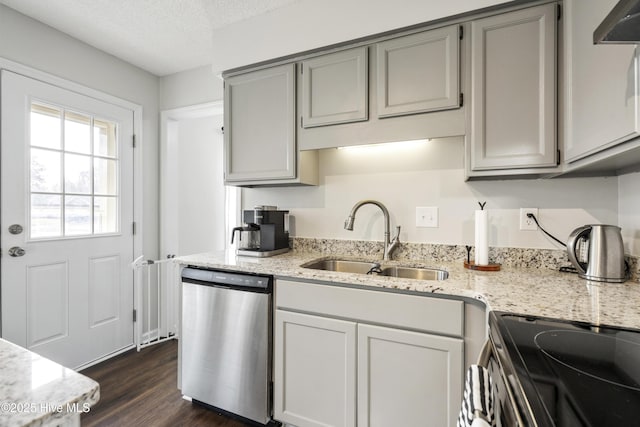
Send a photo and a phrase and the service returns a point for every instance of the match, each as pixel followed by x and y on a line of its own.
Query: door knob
pixel 16 251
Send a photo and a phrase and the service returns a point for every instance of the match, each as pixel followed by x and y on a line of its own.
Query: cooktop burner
pixel 575 350
pixel 573 374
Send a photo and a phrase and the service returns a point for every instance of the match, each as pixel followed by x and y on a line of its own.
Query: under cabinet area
pixel 356 357
pixel 512 127
pixel 335 88
pixel 260 130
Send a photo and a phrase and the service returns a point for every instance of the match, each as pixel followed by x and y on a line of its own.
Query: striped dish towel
pixel 477 403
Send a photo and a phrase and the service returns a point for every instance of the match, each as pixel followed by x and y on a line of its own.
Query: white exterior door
pixel 67 181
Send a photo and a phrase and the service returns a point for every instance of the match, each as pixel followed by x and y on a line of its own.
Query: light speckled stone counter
pixel 34 391
pixel 538 291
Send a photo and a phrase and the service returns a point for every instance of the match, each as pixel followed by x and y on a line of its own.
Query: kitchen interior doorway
pixel 197 209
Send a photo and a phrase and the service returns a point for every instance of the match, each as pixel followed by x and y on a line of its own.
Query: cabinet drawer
pixel 437 315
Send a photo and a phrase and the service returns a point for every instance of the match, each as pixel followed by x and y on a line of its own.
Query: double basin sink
pixel 373 268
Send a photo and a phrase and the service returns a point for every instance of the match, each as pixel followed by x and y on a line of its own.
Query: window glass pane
pixel 77 215
pixel 46 215
pixel 105 177
pixel 45 126
pixel 104 138
pixel 77 174
pixel 74 174
pixel 105 215
pixel 77 133
pixel 45 171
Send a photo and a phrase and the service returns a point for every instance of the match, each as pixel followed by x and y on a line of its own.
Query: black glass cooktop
pixel 573 374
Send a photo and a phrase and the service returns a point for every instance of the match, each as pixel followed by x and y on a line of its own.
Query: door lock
pixel 15 229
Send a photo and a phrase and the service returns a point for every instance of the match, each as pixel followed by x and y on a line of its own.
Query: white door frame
pixel 169 140
pixel 45 77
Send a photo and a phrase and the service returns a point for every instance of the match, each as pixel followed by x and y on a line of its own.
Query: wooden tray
pixel 490 267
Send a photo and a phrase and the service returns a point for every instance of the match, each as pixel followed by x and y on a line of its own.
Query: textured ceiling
pixel 160 36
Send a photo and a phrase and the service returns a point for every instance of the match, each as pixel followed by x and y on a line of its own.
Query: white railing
pixel 156 300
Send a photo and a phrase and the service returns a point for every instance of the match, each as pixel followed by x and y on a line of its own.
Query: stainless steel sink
pixel 366 267
pixel 344 266
pixel 415 273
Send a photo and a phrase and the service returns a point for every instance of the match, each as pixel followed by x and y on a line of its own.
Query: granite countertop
pixel 35 391
pixel 533 291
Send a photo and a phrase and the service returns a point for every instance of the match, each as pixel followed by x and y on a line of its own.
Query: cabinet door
pixel 334 88
pixel 513 90
pixel 602 95
pixel 315 370
pixel 419 73
pixel 408 378
pixel 260 125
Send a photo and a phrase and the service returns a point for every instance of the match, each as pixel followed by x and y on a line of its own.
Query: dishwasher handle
pixel 228 279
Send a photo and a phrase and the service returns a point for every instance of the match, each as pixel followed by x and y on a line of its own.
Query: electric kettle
pixel 604 258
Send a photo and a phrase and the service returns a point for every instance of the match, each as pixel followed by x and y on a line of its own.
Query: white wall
pixel 36 45
pixel 432 175
pixel 201 196
pixel 309 24
pixel 198 86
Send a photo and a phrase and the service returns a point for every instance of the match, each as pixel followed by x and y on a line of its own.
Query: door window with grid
pixel 74 184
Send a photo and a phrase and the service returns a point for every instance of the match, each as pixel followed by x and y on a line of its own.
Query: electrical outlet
pixel 427 217
pixel 527 223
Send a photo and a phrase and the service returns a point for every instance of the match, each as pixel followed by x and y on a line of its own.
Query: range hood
pixel 621 26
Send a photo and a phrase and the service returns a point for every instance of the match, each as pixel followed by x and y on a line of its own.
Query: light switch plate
pixel 427 217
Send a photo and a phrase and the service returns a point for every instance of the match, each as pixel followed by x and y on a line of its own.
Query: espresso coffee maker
pixel 265 232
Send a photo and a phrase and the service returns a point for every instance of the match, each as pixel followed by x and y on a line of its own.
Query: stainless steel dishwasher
pixel 226 342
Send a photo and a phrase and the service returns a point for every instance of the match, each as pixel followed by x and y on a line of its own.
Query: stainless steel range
pixel 549 372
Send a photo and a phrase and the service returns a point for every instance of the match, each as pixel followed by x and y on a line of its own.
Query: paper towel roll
pixel 482 238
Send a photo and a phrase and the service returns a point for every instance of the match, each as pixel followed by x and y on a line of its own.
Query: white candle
pixel 482 238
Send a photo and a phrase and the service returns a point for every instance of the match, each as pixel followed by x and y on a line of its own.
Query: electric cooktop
pixel 571 373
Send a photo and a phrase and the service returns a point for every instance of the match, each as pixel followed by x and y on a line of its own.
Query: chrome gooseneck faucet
pixel 389 245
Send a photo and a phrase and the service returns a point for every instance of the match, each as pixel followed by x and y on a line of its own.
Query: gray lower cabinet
pixel 260 129
pixel 602 96
pixel 419 73
pixel 512 124
pixel 339 362
pixel 407 378
pixel 335 88
pixel 315 370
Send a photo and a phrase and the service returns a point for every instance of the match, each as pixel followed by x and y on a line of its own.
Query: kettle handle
pixel 571 246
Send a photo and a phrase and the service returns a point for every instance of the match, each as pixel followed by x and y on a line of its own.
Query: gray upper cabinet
pixel 512 124
pixel 419 72
pixel 334 88
pixel 260 128
pixel 602 97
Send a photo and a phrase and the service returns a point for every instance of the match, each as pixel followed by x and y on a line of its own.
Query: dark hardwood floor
pixel 140 389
